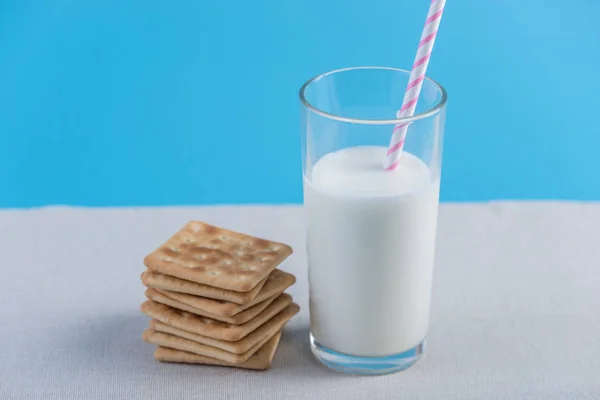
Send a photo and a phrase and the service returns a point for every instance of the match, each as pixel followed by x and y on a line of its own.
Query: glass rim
pixel 395 121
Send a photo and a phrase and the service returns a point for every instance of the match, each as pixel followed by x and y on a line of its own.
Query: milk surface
pixel 371 243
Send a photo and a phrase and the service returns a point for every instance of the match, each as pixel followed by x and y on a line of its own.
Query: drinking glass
pixel 371 232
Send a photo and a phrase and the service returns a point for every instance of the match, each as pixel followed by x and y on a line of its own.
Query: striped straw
pixel 415 82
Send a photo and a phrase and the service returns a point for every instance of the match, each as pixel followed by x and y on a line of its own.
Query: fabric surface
pixel 516 308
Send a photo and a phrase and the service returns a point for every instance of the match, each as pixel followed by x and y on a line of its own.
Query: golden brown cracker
pixel 238 319
pixel 218 257
pixel 209 327
pixel 273 325
pixel 260 360
pixel 157 280
pixel 275 283
pixel 178 343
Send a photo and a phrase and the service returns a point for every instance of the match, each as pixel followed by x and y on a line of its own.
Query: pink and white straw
pixel 415 82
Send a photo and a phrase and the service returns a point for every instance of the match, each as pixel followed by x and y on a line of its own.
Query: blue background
pixel 111 102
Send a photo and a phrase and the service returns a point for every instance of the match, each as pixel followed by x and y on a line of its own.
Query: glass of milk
pixel 371 232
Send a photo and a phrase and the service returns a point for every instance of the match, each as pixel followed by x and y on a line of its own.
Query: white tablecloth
pixel 516 308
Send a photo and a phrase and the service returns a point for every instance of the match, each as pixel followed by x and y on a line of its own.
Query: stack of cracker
pixel 216 298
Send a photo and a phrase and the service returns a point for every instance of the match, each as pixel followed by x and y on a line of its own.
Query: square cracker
pixel 275 283
pixel 178 343
pixel 157 280
pixel 217 257
pixel 260 360
pixel 272 326
pixel 161 297
pixel 210 327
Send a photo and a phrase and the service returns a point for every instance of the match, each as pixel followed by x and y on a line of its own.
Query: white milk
pixel 371 242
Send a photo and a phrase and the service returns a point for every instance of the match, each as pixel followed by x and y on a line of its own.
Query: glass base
pixel 367 365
